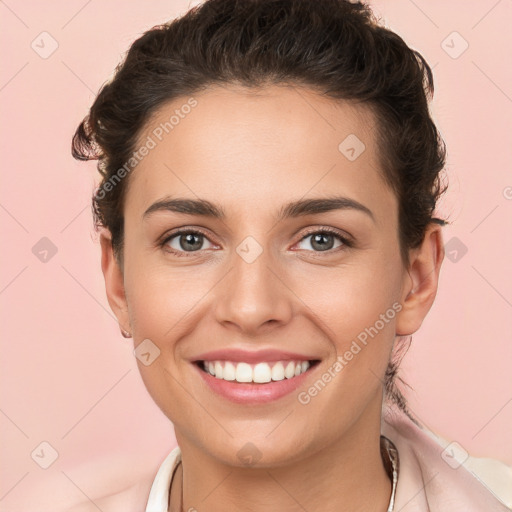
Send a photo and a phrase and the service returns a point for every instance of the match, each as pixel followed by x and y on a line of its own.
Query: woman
pixel 270 175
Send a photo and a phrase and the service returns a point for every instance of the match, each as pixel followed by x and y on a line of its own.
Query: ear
pixel 420 282
pixel 114 281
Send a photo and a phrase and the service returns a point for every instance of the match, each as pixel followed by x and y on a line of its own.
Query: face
pixel 268 272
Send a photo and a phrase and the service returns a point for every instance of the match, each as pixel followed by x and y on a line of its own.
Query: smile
pixel 262 382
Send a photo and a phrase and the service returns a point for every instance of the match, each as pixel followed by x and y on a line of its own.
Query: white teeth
pixel 289 371
pixel 278 371
pixel 218 370
pixel 229 371
pixel 243 372
pixel 262 373
pixel 259 373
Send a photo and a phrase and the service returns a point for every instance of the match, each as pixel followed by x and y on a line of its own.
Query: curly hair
pixel 336 48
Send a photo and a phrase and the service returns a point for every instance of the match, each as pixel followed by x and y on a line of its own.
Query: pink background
pixel 70 379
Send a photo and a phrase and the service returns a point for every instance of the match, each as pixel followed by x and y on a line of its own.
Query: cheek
pixel 164 306
pixel 356 307
pixel 162 298
pixel 351 297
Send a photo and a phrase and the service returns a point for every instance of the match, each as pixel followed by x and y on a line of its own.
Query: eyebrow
pixel 294 209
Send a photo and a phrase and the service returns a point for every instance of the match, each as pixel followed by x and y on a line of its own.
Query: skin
pixel 251 152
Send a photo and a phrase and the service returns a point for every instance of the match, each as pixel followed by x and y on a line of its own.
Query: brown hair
pixel 335 47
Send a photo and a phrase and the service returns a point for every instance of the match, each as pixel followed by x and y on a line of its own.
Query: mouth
pixel 255 383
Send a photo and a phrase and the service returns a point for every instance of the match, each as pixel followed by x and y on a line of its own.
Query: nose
pixel 253 297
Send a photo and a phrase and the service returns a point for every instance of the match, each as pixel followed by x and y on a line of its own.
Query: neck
pixel 346 475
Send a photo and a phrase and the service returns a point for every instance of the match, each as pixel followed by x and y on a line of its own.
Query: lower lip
pixel 251 392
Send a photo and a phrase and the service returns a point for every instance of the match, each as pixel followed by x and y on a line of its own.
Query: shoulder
pixel 112 484
pixel 130 499
pixel 438 475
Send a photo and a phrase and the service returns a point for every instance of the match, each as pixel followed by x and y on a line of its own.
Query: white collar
pixel 158 500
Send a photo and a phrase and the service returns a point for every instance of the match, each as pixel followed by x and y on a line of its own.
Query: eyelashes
pixel 345 242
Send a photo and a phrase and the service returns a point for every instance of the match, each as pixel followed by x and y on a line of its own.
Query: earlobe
pixel 114 281
pixel 421 281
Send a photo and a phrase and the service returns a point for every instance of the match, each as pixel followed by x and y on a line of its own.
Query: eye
pixel 185 241
pixel 324 240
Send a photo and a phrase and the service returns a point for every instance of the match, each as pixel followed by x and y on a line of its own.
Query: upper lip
pixel 250 356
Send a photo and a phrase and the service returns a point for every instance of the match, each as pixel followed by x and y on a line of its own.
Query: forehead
pixel 240 145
